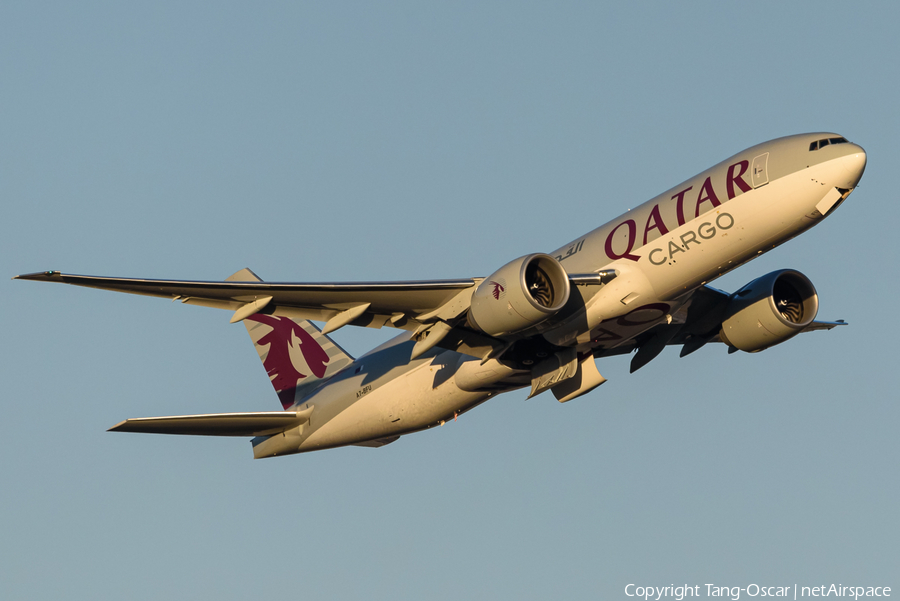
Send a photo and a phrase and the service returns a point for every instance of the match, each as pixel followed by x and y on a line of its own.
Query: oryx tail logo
pixel 282 360
pixel 499 289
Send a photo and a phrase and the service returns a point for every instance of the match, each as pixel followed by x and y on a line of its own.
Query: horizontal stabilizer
pixel 258 423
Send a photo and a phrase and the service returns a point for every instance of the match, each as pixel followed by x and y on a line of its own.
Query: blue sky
pixel 324 141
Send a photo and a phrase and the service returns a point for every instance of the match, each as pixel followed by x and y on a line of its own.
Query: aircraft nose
pixel 853 166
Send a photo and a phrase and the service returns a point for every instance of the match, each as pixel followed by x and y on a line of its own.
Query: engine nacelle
pixel 519 295
pixel 770 310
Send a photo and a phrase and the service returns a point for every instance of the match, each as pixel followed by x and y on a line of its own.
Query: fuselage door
pixel 759 175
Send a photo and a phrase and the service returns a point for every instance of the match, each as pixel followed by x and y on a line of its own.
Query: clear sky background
pixel 389 141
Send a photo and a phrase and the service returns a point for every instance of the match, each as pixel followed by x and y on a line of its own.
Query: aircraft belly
pixel 414 401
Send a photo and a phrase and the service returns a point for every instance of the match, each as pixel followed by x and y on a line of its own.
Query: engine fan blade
pixel 789 303
pixel 539 287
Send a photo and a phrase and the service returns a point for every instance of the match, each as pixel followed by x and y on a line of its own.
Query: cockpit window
pixel 826 141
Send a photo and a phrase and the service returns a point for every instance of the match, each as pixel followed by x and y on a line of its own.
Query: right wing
pixel 433 309
pixel 403 305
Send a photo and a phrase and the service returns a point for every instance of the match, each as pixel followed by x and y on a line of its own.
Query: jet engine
pixel 770 310
pixel 521 294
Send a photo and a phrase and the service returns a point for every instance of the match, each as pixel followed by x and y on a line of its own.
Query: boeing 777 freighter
pixel 633 285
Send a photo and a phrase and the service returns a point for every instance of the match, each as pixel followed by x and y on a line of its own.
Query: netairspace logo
pixel 678 593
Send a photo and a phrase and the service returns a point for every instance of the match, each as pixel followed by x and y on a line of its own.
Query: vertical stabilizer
pixel 295 353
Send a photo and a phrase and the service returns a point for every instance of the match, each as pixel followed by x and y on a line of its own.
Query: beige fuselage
pixel 662 251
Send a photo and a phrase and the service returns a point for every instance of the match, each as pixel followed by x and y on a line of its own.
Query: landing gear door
pixel 759 175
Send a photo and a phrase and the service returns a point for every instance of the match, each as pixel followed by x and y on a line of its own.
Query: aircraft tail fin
pixel 295 353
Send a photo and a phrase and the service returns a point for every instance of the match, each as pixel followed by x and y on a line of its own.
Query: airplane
pixel 637 284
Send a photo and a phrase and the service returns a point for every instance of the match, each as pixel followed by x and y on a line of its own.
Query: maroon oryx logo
pixel 498 289
pixel 278 363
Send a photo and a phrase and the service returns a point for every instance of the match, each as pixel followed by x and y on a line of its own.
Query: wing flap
pixel 259 423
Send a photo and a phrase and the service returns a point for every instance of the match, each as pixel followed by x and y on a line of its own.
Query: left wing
pixel 701 326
